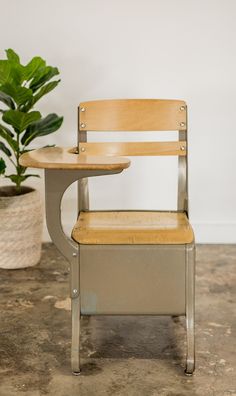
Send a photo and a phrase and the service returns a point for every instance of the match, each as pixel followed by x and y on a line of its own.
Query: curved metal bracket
pixel 56 183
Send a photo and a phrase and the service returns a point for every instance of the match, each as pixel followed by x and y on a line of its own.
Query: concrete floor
pixel 133 356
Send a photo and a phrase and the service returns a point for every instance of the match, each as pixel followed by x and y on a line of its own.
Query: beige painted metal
pixel 182 203
pixel 190 307
pixel 83 195
pixel 133 115
pixel 83 188
pixel 56 183
pixel 136 279
pixel 132 227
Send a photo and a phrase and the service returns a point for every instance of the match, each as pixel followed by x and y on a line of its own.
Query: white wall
pixel 143 49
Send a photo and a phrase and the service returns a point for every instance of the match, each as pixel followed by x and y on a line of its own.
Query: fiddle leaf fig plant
pixel 21 87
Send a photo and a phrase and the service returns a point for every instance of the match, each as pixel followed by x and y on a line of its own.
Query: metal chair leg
pixel 75 316
pixel 75 343
pixel 56 183
pixel 190 294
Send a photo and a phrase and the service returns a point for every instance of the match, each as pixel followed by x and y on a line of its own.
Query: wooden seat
pixel 135 227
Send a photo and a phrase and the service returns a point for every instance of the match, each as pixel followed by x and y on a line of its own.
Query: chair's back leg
pixel 83 195
pixel 182 204
pixel 83 192
pixel 190 302
pixel 75 315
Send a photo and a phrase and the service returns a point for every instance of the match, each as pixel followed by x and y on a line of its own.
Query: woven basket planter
pixel 21 220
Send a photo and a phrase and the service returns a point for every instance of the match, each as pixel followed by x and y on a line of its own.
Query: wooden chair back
pixel 138 115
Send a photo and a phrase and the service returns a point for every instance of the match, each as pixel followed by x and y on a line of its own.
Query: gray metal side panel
pixel 121 279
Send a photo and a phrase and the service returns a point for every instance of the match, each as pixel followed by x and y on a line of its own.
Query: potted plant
pixel 21 87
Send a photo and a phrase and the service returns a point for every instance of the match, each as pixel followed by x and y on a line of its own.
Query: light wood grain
pixel 134 148
pixel 132 228
pixel 65 158
pixel 133 115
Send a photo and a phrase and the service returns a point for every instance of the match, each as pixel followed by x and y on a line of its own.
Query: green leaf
pixel 5 71
pixel 31 175
pixel 7 135
pixel 43 75
pixel 16 69
pixel 17 73
pixel 25 151
pixel 43 127
pixel 25 108
pixel 11 72
pixel 2 166
pixel 6 130
pixel 49 145
pixel 4 148
pixel 7 100
pixel 19 120
pixel 18 179
pixel 45 90
pixel 32 67
pixel 21 95
pixel 12 55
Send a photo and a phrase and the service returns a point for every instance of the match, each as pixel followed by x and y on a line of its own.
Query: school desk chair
pixel 122 262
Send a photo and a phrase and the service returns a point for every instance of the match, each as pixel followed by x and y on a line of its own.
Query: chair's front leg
pixel 56 183
pixel 190 314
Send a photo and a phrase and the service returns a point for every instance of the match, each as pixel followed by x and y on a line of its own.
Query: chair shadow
pixel 135 337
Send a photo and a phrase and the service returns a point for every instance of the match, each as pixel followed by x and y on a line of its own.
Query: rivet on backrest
pixel 82 109
pixel 82 149
pixel 182 108
pixel 182 124
pixel 182 148
pixel 82 125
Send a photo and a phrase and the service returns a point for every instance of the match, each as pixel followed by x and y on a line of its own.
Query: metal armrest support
pixel 56 183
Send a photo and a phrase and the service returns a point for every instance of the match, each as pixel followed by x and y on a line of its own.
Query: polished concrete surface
pixel 133 356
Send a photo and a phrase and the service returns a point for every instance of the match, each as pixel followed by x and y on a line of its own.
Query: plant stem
pixel 18 169
pixel 12 162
